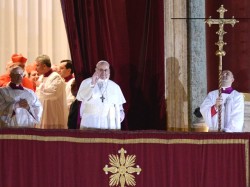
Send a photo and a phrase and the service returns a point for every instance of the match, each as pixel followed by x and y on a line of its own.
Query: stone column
pixel 185 61
pixel 197 56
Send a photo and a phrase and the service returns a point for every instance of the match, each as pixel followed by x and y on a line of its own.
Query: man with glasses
pixel 102 100
pixel 19 106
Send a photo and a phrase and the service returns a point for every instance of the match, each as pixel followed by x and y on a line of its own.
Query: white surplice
pixel 52 95
pixel 11 115
pixel 232 115
pixel 101 104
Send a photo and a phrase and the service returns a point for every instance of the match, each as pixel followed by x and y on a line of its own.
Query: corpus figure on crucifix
pixel 223 110
pixel 102 100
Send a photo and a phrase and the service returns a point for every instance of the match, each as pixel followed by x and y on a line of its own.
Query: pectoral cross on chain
pixel 102 98
pixel 220 52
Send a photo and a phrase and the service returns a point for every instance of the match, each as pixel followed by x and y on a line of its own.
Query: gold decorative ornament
pixel 220 52
pixel 122 169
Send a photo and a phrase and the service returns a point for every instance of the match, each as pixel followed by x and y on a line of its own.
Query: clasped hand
pixel 219 102
pixel 23 104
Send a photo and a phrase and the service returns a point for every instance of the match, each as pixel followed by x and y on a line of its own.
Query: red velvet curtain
pixel 238 42
pixel 64 158
pixel 130 35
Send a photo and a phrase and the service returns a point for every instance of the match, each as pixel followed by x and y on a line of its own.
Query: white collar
pixel 102 80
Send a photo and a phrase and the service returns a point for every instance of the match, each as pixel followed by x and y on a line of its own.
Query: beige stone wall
pixel 176 68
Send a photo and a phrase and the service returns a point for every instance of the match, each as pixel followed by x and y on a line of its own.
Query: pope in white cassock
pixel 19 106
pixel 102 100
pixel 232 102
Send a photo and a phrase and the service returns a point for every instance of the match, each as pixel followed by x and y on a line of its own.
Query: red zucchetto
pixel 18 58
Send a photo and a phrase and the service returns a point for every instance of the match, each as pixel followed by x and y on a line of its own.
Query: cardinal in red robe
pixel 16 60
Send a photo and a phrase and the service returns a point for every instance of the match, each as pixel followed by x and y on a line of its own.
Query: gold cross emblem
pixel 221 22
pixel 122 169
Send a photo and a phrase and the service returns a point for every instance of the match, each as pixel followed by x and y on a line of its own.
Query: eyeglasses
pixel 103 70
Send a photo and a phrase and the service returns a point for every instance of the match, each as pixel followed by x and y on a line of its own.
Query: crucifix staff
pixel 220 52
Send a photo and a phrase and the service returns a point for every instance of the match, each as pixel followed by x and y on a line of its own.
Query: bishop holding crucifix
pixel 102 100
pixel 223 109
pixel 232 106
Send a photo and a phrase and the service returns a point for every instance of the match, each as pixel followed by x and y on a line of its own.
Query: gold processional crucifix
pixel 220 52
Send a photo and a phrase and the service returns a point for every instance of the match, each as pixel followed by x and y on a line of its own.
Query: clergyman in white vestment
pixel 51 92
pixel 19 106
pixel 232 102
pixel 102 100
pixel 66 72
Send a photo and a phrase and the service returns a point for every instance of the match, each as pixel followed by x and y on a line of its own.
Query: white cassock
pixel 101 112
pixel 52 95
pixel 232 115
pixel 70 97
pixel 11 115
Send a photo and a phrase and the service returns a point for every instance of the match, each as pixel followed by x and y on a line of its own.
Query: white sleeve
pixel 85 91
pixel 122 113
pixel 236 121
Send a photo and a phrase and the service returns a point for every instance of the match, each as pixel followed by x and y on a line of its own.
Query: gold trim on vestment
pixel 134 141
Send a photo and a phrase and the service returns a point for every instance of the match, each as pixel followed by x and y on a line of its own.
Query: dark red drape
pixel 237 39
pixel 130 35
pixel 64 158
